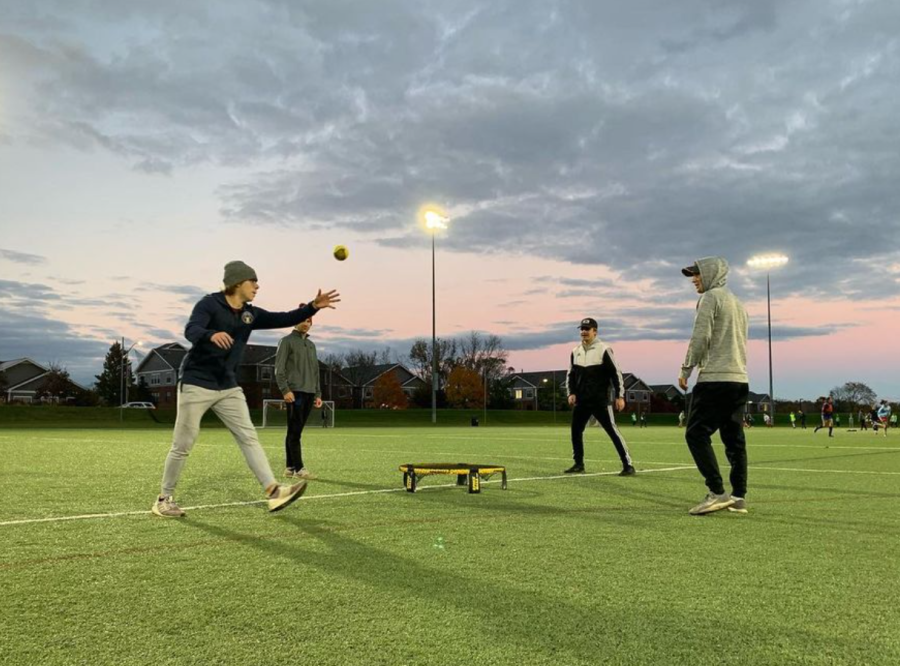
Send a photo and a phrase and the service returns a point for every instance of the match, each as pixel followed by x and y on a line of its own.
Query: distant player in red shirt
pixel 827 416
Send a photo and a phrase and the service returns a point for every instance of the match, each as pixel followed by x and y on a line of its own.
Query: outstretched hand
pixel 325 300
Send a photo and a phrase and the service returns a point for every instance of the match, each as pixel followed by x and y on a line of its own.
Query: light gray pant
pixel 230 406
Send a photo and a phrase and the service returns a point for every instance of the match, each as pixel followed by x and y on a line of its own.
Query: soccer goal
pixel 275 415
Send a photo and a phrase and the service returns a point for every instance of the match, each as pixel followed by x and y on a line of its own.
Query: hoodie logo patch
pixel 247 318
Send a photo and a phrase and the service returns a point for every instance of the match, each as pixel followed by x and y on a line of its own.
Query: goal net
pixel 275 415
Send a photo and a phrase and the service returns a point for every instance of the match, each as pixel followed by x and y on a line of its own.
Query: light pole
pixel 434 221
pixel 768 262
pixel 545 381
pixel 125 353
pixel 485 393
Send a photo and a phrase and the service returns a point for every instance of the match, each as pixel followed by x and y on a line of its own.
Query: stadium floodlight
pixel 768 262
pixel 435 220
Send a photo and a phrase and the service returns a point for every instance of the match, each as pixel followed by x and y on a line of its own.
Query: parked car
pixel 138 405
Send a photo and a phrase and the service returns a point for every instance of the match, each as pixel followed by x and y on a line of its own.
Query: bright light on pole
pixel 768 262
pixel 435 221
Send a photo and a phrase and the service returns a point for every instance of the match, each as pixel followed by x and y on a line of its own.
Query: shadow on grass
pixel 512 615
pixel 511 502
pixel 343 483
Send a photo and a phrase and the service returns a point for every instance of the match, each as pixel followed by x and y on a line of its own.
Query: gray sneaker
pixel 712 503
pixel 286 495
pixel 739 506
pixel 304 473
pixel 166 508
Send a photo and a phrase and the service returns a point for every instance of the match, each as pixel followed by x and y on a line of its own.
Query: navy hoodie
pixel 211 367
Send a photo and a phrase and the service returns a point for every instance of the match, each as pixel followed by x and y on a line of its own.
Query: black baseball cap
pixel 690 271
pixel 588 322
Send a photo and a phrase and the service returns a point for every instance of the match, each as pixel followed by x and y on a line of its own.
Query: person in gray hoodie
pixel 297 374
pixel 718 349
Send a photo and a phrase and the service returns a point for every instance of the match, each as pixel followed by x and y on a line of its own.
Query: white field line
pixel 118 514
pixel 826 471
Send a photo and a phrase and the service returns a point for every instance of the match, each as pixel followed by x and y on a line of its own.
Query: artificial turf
pixel 557 569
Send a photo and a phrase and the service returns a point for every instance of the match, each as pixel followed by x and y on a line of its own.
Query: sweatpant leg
pixel 732 435
pixel 307 400
pixel 581 414
pixel 604 414
pixel 703 420
pixel 232 410
pixel 193 402
pixel 292 438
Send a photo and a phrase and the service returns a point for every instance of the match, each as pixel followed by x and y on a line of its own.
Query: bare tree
pixel 57 383
pixel 4 385
pixel 420 358
pixel 853 395
pixel 483 353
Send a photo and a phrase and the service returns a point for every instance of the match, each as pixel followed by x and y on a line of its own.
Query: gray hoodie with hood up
pixel 719 342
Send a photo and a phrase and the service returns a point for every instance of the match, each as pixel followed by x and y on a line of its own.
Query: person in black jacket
pixel 593 378
pixel 219 328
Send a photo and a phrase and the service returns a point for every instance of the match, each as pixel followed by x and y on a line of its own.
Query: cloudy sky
pixel 585 150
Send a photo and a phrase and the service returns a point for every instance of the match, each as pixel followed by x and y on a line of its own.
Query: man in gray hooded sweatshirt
pixel 718 348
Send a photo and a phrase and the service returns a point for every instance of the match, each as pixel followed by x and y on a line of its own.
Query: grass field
pixel 555 570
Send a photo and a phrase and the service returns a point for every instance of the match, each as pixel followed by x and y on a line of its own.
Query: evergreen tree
pixel 109 382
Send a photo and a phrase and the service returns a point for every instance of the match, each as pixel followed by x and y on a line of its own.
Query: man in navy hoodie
pixel 219 328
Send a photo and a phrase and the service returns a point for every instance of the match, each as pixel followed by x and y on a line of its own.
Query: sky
pixel 584 151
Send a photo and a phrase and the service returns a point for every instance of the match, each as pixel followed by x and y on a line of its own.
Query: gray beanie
pixel 236 272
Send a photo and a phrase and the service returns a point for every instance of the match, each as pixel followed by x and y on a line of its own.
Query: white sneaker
pixel 712 503
pixel 286 495
pixel 304 473
pixel 739 506
pixel 165 507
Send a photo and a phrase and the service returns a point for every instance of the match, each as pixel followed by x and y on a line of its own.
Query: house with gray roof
pixel 26 379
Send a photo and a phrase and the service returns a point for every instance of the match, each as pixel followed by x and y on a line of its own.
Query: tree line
pixel 469 368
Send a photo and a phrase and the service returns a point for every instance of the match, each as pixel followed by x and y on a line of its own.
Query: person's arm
pixel 197 329
pixel 698 349
pixel 281 365
pixel 318 377
pixel 569 395
pixel 618 381
pixel 266 320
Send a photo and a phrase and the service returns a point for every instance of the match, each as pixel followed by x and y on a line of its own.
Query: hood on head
pixel 713 272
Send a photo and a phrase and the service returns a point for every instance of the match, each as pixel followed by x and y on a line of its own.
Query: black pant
pixel 719 406
pixel 298 412
pixel 602 411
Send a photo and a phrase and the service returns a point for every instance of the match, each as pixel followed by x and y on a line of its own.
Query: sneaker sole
pixel 154 511
pixel 734 510
pixel 290 500
pixel 711 509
